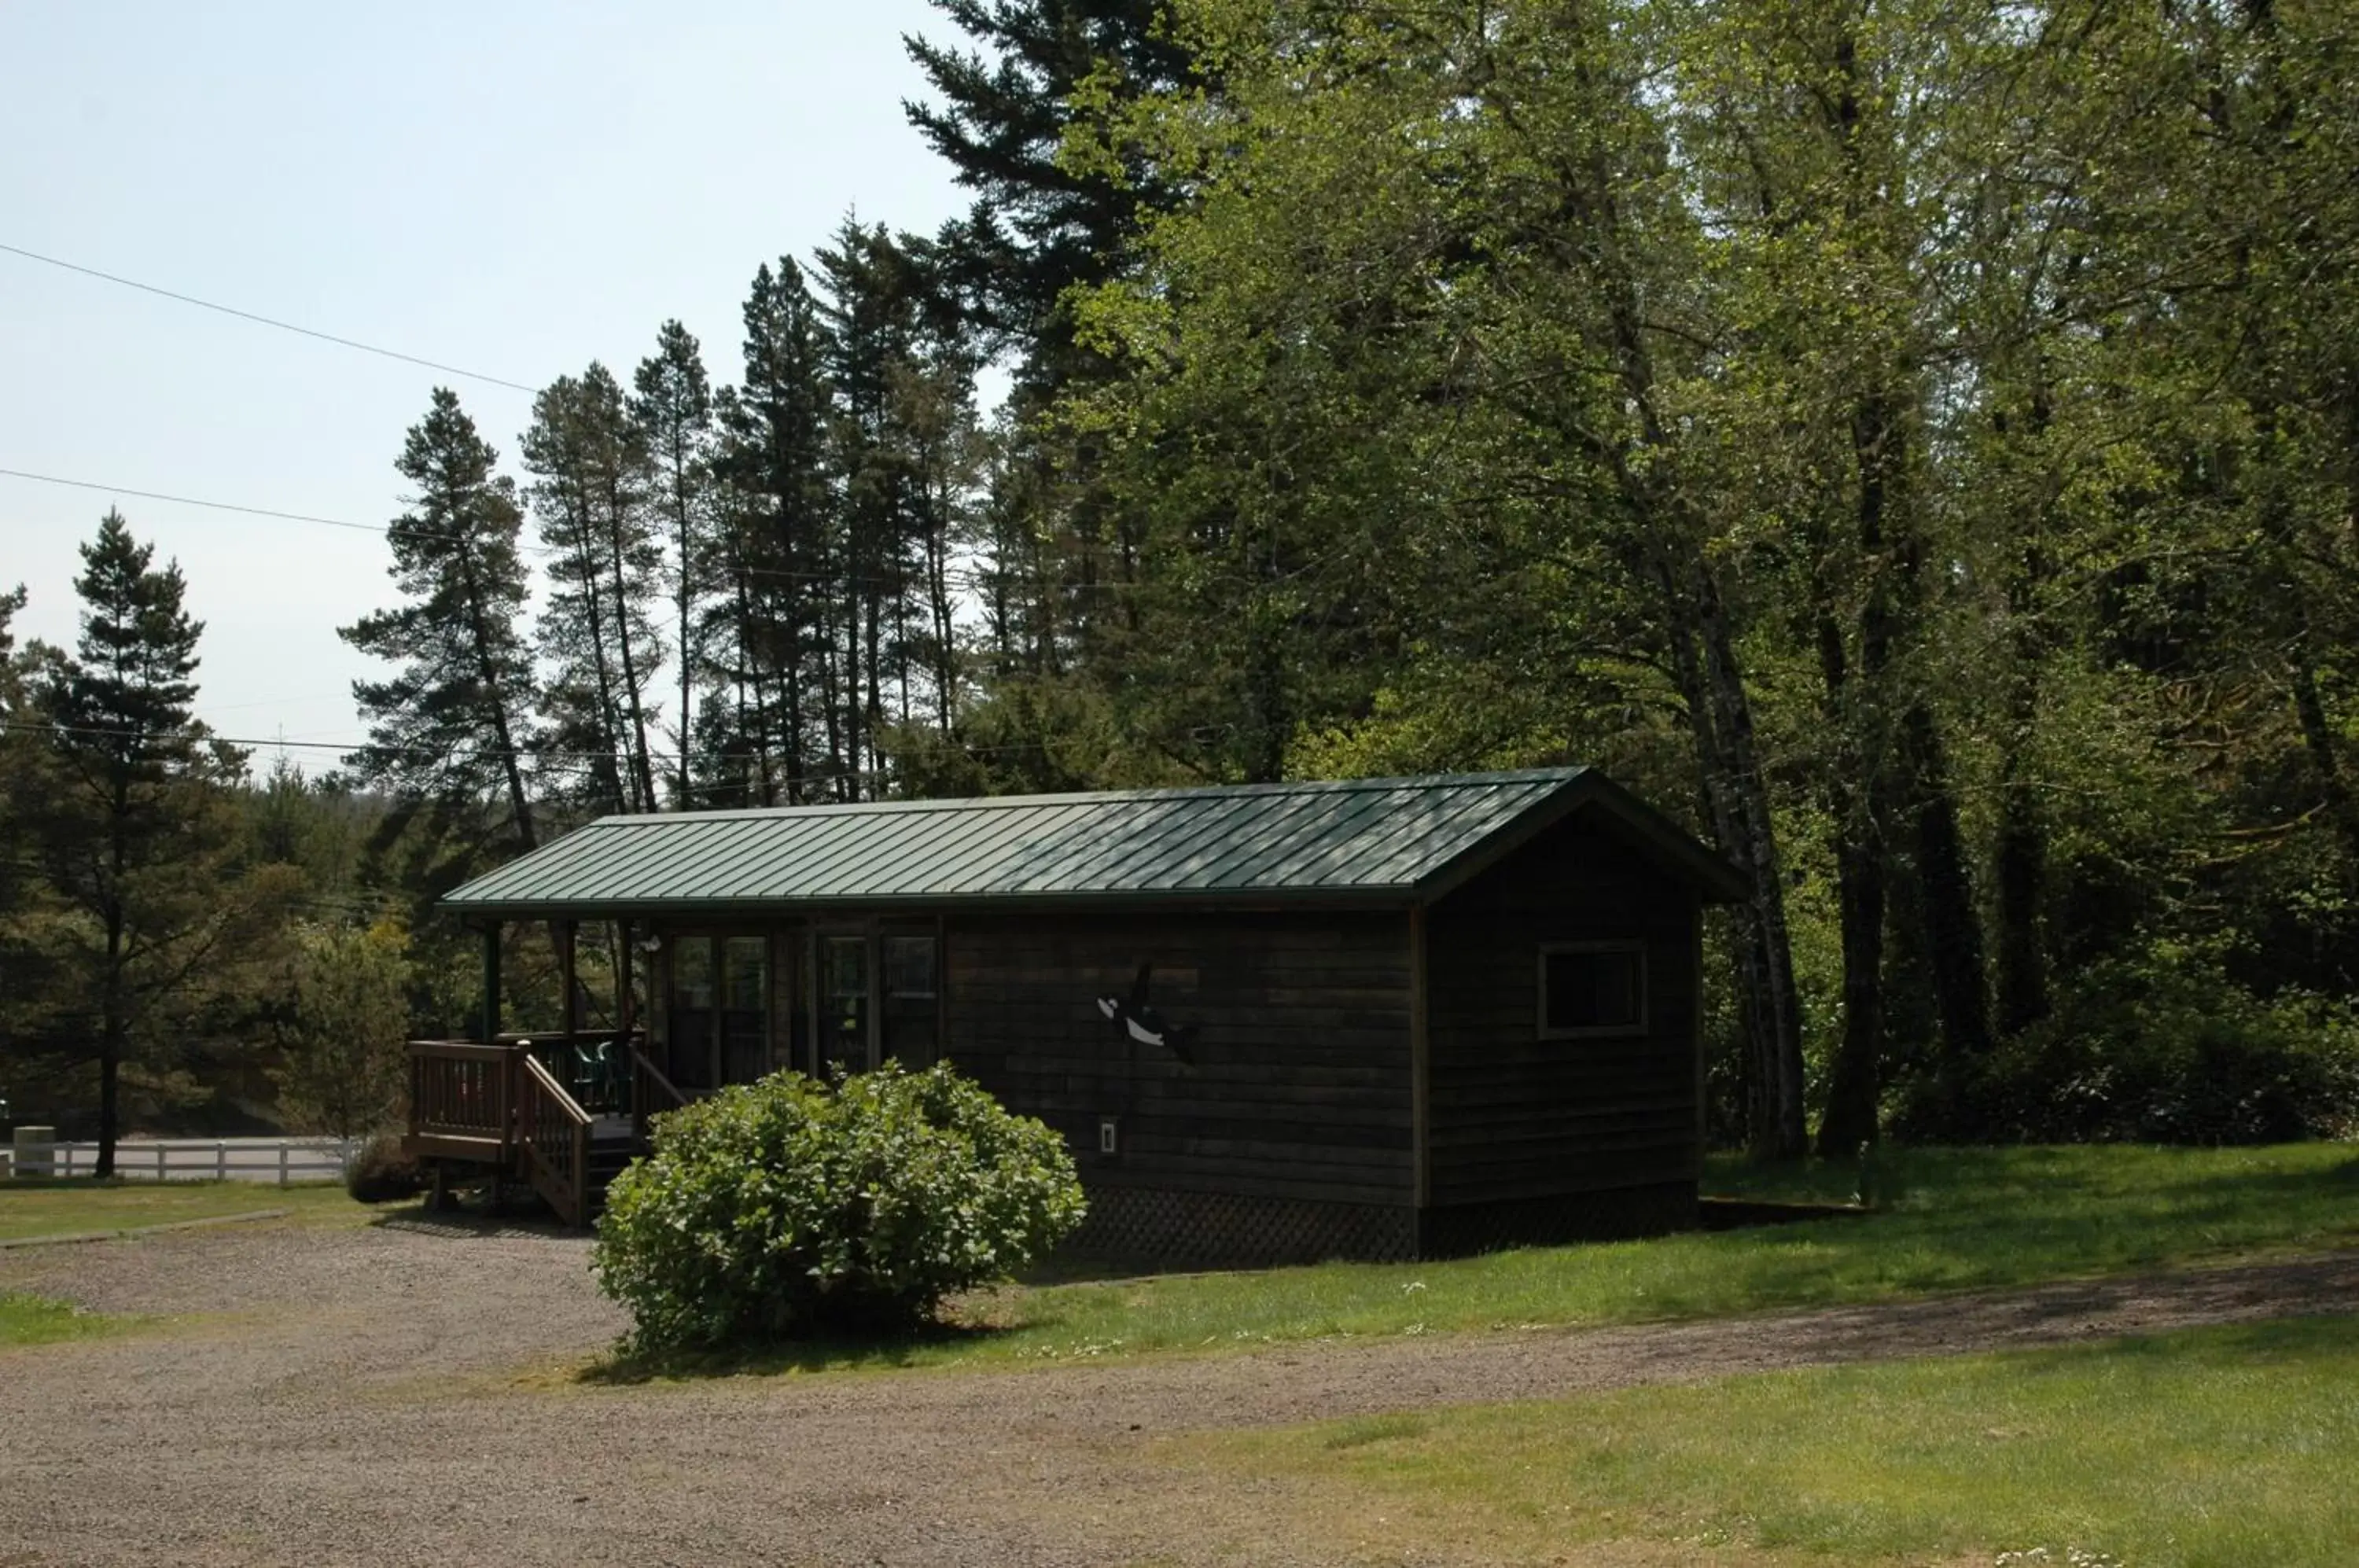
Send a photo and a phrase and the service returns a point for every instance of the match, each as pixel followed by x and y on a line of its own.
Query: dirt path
pixel 357 1402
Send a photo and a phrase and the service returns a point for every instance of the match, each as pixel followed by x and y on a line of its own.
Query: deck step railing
pixel 556 1136
pixel 652 1093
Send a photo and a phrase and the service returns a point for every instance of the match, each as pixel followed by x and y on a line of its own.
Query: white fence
pixel 275 1160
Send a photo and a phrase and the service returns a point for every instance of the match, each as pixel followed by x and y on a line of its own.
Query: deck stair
pixel 609 1159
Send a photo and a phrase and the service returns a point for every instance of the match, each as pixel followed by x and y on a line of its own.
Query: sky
pixel 515 189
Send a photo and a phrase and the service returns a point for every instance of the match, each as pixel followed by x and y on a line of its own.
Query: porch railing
pixel 462 1101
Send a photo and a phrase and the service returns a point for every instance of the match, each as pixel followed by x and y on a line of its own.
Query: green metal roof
pixel 1386 839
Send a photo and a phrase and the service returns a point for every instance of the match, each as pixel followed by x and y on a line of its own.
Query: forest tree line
pixel 1918 447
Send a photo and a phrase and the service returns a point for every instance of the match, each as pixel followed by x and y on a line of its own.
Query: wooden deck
pixel 563 1112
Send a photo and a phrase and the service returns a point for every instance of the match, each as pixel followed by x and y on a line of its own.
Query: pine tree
pixel 671 405
pixel 1040 226
pixel 448 733
pixel 140 835
pixel 27 963
pixel 590 490
pixel 868 302
pixel 768 651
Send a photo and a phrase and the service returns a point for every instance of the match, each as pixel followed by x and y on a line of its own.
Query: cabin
pixel 1381 1018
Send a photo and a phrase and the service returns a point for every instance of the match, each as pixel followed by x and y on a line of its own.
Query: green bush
pixel 2162 1048
pixel 382 1173
pixel 792 1205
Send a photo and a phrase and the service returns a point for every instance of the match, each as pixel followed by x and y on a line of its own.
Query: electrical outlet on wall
pixel 1109 1135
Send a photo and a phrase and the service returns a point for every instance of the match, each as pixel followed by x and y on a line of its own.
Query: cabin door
pixel 720 1010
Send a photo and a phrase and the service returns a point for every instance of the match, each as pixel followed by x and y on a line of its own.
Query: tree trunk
pixel 113 1031
pixel 687 663
pixel 2318 746
pixel 1854 1080
pixel 1779 1130
pixel 642 763
pixel 2019 846
pixel 1854 1084
pixel 487 672
pixel 1953 933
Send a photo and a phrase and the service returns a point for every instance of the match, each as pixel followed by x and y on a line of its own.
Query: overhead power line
pixel 192 501
pixel 967 579
pixel 265 320
pixel 567 759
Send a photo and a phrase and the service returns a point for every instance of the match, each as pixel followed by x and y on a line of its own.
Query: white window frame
pixel 1593 1031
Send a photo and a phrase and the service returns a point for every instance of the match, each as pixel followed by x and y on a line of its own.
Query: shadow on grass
pixel 837 1351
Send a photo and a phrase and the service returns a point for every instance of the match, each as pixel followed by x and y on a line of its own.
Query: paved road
pixel 203 1160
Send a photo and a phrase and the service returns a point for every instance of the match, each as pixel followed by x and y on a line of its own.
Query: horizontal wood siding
pixel 1299 1083
pixel 1512 1116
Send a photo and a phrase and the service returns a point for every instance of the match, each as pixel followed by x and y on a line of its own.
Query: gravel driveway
pixel 370 1396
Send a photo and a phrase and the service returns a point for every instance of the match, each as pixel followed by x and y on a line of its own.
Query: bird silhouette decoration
pixel 1136 1018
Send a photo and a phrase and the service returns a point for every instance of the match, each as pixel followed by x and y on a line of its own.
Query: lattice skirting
pixel 1609 1215
pixel 1164 1225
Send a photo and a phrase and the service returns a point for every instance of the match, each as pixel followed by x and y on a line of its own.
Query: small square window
pixel 910 966
pixel 1593 988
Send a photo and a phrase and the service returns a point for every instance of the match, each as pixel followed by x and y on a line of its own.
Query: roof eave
pixel 1383 896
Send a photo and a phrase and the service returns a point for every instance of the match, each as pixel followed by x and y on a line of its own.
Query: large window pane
pixel 911 1025
pixel 690 1023
pixel 843 1001
pixel 909 967
pixel 746 1008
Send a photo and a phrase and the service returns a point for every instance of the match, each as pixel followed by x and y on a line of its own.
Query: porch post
pixel 625 1018
pixel 491 983
pixel 570 1012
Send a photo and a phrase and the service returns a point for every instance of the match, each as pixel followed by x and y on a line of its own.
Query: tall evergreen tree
pixel 449 731
pixel 769 652
pixel 590 491
pixel 140 836
pixel 1040 225
pixel 671 405
pixel 868 302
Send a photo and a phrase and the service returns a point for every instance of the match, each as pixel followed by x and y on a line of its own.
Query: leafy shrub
pixel 382 1173
pixel 789 1204
pixel 2163 1048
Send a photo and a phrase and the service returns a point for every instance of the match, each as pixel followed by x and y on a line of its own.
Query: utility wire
pixel 479 753
pixel 265 320
pixel 970 578
pixel 210 505
pixel 582 762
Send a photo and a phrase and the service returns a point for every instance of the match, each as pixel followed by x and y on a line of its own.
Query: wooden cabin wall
pixel 1517 1123
pixel 1289 1133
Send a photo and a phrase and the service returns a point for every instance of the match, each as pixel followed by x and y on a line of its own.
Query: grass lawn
pixel 37 1320
pixel 2233 1445
pixel 68 1205
pixel 1951 1220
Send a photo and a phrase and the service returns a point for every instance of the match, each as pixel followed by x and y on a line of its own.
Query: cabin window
pixel 1593 988
pixel 912 986
pixel 843 1001
pixel 909 967
pixel 690 1025
pixel 744 1007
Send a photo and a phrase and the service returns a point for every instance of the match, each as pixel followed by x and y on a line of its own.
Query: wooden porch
pixel 562 1113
